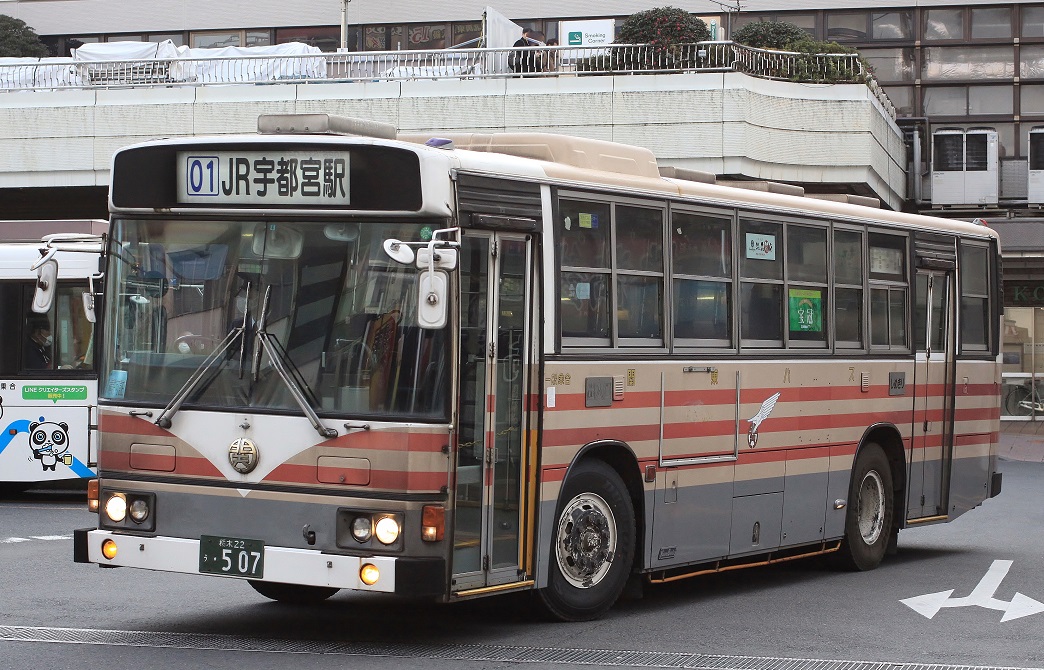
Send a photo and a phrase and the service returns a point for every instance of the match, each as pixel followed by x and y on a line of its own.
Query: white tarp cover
pixel 38 73
pixel 107 51
pixel 500 33
pixel 293 60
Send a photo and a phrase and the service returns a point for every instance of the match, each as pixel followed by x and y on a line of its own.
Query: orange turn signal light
pixel 92 495
pixel 433 523
pixel 369 574
pixel 108 549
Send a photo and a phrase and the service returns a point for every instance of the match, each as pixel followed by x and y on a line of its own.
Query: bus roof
pixel 583 162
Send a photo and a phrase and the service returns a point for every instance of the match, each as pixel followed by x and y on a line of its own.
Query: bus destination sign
pixel 280 178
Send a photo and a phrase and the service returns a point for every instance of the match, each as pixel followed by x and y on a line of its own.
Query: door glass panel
pixel 474 277
pixel 510 389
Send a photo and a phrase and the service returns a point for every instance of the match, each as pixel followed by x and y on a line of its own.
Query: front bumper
pixel 286 565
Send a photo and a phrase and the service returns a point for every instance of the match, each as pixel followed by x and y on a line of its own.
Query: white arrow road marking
pixel 929 604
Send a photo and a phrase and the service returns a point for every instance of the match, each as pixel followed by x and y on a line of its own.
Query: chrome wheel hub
pixel 586 540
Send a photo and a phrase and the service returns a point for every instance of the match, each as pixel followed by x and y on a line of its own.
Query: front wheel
pixel 293 594
pixel 593 544
pixel 870 512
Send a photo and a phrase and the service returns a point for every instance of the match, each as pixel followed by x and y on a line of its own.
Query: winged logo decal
pixel 755 421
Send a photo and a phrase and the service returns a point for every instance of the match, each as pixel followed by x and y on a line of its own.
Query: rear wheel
pixel 1018 402
pixel 593 544
pixel 870 513
pixel 294 594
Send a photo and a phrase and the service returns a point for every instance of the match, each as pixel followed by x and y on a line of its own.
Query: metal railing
pixel 714 56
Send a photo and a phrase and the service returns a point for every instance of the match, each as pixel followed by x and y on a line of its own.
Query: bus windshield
pixel 341 317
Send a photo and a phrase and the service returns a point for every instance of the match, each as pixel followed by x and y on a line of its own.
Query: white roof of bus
pixel 584 162
pixel 600 163
pixel 17 257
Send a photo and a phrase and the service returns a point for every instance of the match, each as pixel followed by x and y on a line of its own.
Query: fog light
pixel 433 523
pixel 362 528
pixel 139 510
pixel 387 530
pixel 116 507
pixel 108 549
pixel 369 574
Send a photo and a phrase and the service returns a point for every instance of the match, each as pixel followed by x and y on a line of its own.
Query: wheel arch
pixel 621 458
pixel 888 437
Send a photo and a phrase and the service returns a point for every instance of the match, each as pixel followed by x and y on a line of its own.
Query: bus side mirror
pixel 46 280
pixel 432 299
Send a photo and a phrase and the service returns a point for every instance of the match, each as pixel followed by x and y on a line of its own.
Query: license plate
pixel 231 556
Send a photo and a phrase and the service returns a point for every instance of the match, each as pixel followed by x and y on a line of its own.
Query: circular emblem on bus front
pixel 243 455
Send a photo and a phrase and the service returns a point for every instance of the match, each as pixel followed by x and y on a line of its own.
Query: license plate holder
pixel 232 556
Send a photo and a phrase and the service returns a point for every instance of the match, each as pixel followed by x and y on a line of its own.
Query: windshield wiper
pixel 270 345
pixel 163 421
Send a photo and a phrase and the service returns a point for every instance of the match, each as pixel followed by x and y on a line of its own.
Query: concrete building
pixel 966 80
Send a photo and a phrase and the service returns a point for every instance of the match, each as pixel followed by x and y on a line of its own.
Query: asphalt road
pixel 58 614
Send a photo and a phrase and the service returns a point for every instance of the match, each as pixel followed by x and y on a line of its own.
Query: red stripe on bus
pixel 115 422
pixel 395 480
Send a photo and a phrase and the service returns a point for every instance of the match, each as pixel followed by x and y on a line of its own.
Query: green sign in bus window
pixel 806 310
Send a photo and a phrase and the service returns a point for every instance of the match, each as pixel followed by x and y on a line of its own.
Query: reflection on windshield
pixel 341 313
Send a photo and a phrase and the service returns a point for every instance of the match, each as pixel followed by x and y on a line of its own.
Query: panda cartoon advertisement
pixel 43 441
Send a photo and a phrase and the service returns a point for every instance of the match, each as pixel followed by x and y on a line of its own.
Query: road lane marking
pixel 43 538
pixel 929 604
pixel 485 653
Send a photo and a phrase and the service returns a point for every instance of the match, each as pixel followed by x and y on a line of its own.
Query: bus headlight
pixel 386 530
pixel 116 507
pixel 362 528
pixel 139 510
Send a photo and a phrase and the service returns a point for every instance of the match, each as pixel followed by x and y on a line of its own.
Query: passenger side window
pixel 848 289
pixel 701 246
pixel 889 291
pixel 975 297
pixel 761 284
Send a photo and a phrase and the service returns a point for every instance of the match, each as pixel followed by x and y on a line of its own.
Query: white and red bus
pixel 48 382
pixel 468 365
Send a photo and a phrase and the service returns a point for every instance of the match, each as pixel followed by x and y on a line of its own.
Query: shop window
pixel 465 34
pixel 941 63
pixel 1032 21
pixel 846 27
pixel 427 36
pixel 1031 100
pixel 891 25
pixel 327 38
pixel 945 101
pixel 944 24
pixel 177 38
pixel 891 64
pixel 1031 62
pixel 991 100
pixel 990 22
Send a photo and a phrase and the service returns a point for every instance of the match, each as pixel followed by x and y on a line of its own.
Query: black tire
pixel 870 514
pixel 293 594
pixel 593 544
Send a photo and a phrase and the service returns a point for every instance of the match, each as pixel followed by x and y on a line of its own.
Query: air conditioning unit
pixel 965 166
pixel 1035 188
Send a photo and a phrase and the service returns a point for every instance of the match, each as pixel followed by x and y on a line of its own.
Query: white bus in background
pixel 48 382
